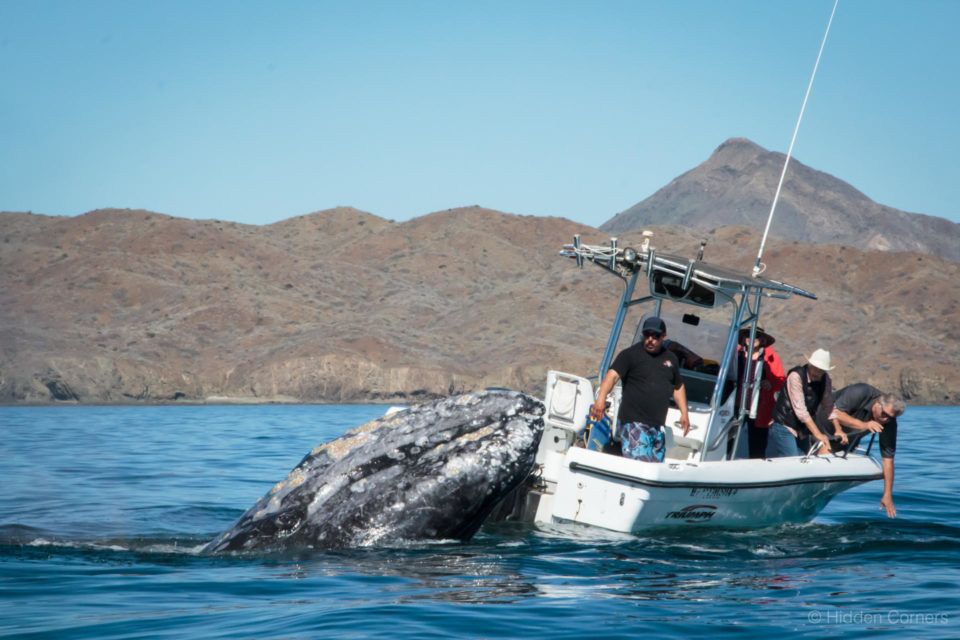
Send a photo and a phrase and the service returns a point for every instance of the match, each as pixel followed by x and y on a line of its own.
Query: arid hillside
pixel 340 305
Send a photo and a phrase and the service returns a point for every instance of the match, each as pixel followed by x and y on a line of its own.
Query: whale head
pixel 434 471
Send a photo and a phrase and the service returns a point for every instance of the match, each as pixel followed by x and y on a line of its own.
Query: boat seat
pixel 678 446
pixel 567 401
pixel 563 400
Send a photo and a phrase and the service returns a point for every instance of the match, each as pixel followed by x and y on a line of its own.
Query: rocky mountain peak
pixel 736 185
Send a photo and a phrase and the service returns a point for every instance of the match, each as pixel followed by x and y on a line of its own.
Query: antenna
pixel 757 270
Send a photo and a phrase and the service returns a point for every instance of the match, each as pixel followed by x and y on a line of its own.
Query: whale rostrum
pixel 434 471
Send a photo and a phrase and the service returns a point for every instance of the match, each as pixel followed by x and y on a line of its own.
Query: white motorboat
pixel 705 479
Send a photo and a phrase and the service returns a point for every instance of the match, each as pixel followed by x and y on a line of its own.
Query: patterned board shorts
pixel 643 442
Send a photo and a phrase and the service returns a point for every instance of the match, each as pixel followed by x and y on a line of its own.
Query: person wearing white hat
pixel 808 392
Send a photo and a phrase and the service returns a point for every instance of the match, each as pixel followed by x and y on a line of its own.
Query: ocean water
pixel 103 510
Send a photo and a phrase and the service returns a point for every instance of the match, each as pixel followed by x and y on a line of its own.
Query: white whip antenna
pixel 756 267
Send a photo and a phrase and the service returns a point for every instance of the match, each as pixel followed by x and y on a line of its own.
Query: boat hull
pixel 629 496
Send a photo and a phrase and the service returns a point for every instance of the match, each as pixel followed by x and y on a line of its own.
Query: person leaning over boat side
pixel 863 409
pixel 808 390
pixel 651 375
pixel 758 428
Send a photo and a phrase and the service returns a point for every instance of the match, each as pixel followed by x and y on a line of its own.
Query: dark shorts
pixel 643 442
pixel 757 437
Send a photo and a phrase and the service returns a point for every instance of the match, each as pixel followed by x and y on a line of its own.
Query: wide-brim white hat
pixel 820 359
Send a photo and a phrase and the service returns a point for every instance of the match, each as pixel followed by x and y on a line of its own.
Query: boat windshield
pixel 698 344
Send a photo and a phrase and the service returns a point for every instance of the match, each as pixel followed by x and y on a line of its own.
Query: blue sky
pixel 260 111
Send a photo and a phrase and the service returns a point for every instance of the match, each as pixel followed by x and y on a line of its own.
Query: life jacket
pixel 812 397
pixel 772 373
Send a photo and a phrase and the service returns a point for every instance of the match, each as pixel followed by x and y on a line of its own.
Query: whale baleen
pixel 434 471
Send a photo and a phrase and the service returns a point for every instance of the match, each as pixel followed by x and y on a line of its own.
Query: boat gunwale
pixel 576 466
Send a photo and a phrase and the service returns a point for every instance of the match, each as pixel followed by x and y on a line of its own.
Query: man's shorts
pixel 643 442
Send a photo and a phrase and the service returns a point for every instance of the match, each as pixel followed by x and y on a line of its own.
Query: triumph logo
pixel 693 513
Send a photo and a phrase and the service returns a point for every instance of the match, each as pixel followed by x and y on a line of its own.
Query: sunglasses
pixel 885 417
pixel 652 334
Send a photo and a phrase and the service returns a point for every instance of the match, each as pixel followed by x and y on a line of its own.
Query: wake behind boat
pixel 703 480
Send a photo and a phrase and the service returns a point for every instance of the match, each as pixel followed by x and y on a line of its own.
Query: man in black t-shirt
pixel 863 409
pixel 650 375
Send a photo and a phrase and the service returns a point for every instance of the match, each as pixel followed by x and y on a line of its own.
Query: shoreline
pixel 255 401
pixel 211 401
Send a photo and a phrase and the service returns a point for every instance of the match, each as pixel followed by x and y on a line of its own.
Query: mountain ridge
pixel 119 306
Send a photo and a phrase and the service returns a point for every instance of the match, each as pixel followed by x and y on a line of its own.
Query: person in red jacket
pixel 758 428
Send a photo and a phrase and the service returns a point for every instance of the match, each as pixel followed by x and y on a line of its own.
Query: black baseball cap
pixel 654 323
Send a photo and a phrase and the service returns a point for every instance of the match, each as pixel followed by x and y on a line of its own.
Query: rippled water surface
pixel 103 510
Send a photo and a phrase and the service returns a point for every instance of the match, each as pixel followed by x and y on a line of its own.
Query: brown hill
pixel 340 305
pixel 736 185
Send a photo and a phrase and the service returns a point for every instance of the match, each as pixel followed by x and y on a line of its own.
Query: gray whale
pixel 434 471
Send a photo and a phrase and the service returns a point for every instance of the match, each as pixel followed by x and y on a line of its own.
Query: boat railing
pixel 852 446
pixel 721 437
pixel 626 261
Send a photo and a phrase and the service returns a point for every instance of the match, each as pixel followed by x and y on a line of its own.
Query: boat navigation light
pixel 630 255
pixel 647 237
